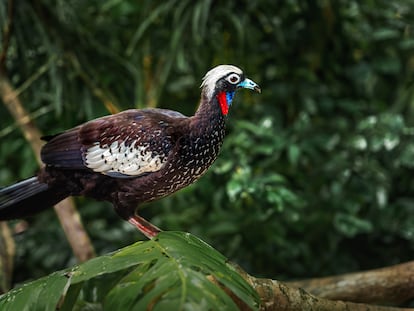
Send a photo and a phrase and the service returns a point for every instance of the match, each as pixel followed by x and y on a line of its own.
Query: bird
pixel 131 157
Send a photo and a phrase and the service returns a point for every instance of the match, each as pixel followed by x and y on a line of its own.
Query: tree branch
pixel 278 296
pixel 290 296
pixel 353 291
pixel 7 30
pixel 66 211
pixel 7 251
pixel 391 285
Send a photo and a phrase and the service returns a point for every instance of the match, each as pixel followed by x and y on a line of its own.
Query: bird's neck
pixel 208 116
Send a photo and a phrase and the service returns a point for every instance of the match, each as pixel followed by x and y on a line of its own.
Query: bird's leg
pixel 147 228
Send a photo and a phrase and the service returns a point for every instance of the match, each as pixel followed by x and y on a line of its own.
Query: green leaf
pixel 43 294
pixel 385 34
pixel 293 154
pixel 351 225
pixel 170 272
pixel 234 187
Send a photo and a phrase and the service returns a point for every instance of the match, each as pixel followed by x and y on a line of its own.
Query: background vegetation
pixel 315 176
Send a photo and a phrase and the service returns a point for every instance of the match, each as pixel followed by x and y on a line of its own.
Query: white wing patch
pixel 118 158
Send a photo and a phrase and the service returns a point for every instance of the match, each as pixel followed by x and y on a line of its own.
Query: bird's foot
pixel 146 228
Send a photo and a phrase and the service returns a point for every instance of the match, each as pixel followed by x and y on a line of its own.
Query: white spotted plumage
pixel 129 160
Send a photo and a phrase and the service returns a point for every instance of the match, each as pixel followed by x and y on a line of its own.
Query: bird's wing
pixel 128 144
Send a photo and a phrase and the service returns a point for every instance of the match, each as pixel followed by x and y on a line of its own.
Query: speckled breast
pixel 191 160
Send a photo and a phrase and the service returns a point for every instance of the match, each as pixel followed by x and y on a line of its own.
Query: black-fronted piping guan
pixel 131 157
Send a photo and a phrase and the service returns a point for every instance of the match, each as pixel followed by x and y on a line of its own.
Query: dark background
pixel 315 175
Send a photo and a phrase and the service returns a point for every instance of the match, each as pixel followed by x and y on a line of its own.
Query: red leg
pixel 147 228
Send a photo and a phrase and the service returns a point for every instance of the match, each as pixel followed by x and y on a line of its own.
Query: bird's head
pixel 222 82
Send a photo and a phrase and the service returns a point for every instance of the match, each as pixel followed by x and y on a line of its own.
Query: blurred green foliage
pixel 315 176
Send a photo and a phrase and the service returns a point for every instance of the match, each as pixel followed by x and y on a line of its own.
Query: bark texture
pixel 389 286
pixel 65 210
pixel 368 290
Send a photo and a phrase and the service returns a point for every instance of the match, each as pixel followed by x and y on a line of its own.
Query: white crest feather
pixel 211 77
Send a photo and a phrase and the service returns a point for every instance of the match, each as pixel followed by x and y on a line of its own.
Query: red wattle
pixel 223 103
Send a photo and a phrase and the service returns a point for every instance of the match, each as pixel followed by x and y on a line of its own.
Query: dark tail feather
pixel 26 198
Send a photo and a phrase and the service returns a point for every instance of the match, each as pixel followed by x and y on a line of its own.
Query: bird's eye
pixel 233 78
